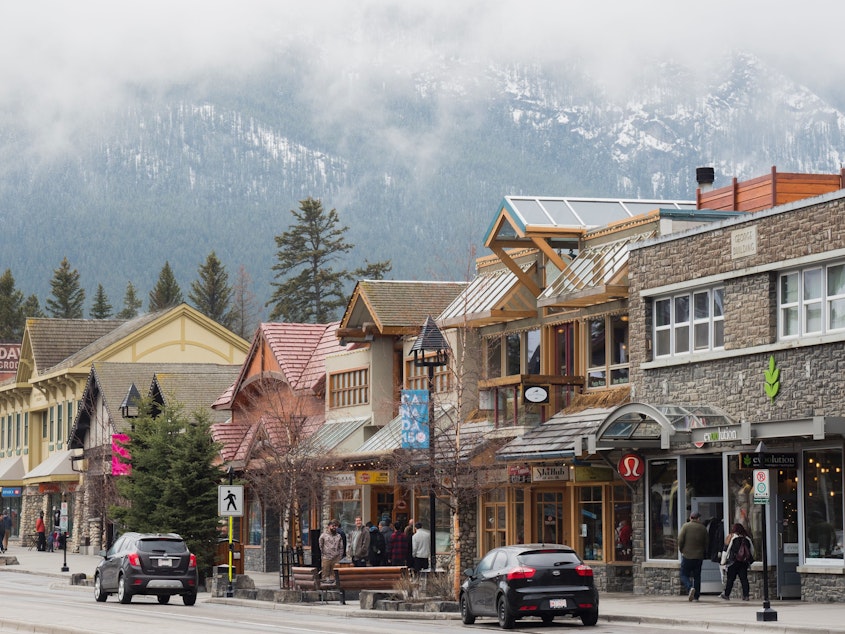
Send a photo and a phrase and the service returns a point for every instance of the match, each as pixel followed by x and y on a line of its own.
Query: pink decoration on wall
pixel 120 458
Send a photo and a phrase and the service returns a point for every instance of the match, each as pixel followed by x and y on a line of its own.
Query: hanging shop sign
pixel 12 492
pixel 631 467
pixel 342 479
pixel 768 461
pixel 593 474
pixel 372 477
pixel 550 474
pixel 519 473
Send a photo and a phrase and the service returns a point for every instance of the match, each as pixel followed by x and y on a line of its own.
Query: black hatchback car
pixel 524 580
pixel 143 563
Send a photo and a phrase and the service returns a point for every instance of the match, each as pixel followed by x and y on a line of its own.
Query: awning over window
pixel 12 471
pixel 56 468
pixel 559 437
pixel 640 425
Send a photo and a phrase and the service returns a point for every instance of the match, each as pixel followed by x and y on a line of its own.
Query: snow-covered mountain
pixel 416 176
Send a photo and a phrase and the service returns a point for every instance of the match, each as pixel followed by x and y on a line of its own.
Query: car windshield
pixel 548 558
pixel 164 546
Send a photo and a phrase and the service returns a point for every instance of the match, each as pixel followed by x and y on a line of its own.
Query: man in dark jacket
pixel 692 542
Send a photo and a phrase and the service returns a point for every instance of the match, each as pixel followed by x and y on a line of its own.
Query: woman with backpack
pixel 738 555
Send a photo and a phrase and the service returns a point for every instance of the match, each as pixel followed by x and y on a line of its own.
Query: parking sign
pixel 761 486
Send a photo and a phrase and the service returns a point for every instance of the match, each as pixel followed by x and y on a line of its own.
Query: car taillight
pixel 584 571
pixel 134 559
pixel 522 572
pixel 192 562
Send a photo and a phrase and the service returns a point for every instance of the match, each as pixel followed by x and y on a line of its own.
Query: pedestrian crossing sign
pixel 230 500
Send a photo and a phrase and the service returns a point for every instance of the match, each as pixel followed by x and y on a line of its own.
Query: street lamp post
pixel 767 613
pixel 431 350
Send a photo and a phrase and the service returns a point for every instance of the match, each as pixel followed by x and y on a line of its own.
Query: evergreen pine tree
pixel 166 293
pixel 131 303
pixel 173 481
pixel 211 293
pixel 308 288
pixel 67 294
pixel 32 308
pixel 12 319
pixel 101 308
pixel 245 314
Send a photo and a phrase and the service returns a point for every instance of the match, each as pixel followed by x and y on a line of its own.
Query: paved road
pixel 710 613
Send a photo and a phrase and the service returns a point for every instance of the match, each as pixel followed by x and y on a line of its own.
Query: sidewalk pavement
pixel 710 613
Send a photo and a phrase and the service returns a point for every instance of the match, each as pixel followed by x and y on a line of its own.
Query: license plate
pixel 165 563
pixel 556 604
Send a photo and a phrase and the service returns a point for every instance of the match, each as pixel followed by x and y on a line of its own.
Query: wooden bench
pixel 368 578
pixel 307 579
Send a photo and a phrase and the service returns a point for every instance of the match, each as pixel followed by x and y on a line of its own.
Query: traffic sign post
pixel 230 503
pixel 761 486
pixel 762 494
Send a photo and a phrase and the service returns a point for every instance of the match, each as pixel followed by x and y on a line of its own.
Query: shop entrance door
pixel 786 532
pixel 548 506
pixel 711 510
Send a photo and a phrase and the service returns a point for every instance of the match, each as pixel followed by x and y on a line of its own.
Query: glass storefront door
pixel 549 507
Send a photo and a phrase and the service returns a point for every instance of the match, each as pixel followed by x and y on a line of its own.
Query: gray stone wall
pixel 735 383
pixel 823 588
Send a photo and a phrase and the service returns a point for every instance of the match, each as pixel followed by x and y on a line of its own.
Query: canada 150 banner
pixel 414 412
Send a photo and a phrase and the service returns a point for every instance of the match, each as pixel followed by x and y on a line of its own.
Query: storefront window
pixel 662 509
pixel 823 504
pixel 549 518
pixel 532 352
pixel 254 523
pixel 346 506
pixel 519 515
pixel 590 522
pixel 741 507
pixel 494 512
pixel 622 523
pixel 494 358
pixel 442 539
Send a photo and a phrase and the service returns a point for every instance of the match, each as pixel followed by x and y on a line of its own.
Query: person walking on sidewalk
pixel 738 556
pixel 692 543
pixel 41 531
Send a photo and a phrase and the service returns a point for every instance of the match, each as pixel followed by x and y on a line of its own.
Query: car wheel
pixel 189 599
pixel 506 618
pixel 164 599
pixel 590 618
pixel 123 593
pixel 99 594
pixel 466 616
pixel 547 619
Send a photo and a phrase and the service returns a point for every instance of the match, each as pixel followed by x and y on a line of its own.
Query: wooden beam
pixel 527 282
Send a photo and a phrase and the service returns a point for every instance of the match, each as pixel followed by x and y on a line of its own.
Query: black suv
pixel 539 580
pixel 142 563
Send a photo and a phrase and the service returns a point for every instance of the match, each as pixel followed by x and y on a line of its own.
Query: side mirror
pixel 102 553
pixel 470 572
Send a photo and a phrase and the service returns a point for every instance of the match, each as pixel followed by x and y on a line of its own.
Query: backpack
pixel 743 553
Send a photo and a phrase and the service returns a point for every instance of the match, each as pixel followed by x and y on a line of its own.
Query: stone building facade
pixel 744 316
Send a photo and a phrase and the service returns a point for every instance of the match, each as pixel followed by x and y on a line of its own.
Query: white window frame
pixel 807 301
pixel 684 325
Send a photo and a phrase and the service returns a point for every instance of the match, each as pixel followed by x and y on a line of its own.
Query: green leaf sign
pixel 772 379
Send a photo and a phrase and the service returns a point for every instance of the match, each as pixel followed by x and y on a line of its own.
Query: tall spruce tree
pixel 245 313
pixel 308 289
pixel 12 318
pixel 166 293
pixel 101 308
pixel 67 294
pixel 211 293
pixel 173 481
pixel 131 303
pixel 32 307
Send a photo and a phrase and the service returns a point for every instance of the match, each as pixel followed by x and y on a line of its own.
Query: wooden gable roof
pixel 394 308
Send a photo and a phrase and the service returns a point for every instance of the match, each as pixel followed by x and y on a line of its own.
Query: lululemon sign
pixel 631 467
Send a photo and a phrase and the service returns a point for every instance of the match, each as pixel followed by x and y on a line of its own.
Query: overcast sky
pixel 64 63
